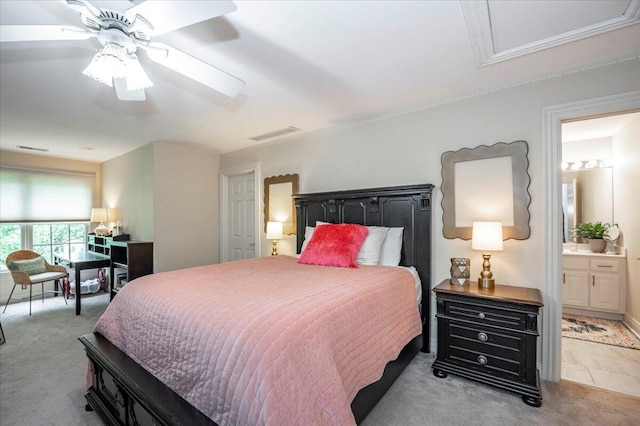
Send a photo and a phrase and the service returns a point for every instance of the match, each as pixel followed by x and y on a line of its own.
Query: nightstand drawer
pixel 504 345
pixel 486 315
pixel 484 362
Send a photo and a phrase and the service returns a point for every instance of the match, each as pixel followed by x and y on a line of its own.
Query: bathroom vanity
pixel 594 283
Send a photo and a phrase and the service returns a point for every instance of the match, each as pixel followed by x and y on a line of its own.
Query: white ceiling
pixel 595 128
pixel 309 64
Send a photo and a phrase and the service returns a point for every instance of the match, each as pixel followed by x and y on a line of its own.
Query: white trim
pixel 225 174
pixel 552 118
pixel 478 21
pixel 594 314
pixel 633 324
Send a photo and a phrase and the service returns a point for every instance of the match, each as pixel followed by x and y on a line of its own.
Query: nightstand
pixel 490 335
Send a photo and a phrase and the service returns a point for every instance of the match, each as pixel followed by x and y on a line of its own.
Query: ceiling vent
pixel 279 132
pixel 31 148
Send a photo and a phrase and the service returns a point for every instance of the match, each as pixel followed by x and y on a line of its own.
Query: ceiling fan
pixel 121 33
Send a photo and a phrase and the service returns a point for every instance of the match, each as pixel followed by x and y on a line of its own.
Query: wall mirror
pixel 587 196
pixel 486 183
pixel 278 201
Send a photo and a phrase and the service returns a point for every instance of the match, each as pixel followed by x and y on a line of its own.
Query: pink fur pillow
pixel 335 245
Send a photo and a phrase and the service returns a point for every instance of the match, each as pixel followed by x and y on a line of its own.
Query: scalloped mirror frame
pixel 290 227
pixel 517 150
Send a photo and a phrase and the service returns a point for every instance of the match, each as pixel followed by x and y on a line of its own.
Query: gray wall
pixel 406 149
pixel 185 206
pixel 168 194
pixel 127 184
pixel 626 179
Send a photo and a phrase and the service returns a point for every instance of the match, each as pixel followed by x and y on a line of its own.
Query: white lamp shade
pixel 274 230
pixel 487 236
pixel 98 215
pixel 113 215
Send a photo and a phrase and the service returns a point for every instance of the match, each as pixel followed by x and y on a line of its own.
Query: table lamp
pixel 274 233
pixel 99 215
pixel 486 236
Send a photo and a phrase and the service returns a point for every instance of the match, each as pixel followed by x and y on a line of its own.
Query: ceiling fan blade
pixel 123 94
pixel 167 15
pixel 83 6
pixel 194 68
pixel 88 13
pixel 42 32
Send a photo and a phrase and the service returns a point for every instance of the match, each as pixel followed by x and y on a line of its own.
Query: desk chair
pixel 28 268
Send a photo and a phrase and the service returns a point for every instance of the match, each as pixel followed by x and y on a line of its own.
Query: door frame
pixel 552 118
pixel 225 175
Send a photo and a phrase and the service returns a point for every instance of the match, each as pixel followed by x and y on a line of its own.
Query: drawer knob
pixel 482 337
pixel 481 315
pixel 482 359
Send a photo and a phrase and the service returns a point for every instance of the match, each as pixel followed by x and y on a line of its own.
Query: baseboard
pixel 595 314
pixel 633 324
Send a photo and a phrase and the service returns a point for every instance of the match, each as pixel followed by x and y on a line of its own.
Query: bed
pixel 122 391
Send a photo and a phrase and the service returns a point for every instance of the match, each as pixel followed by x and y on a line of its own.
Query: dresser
pixel 490 335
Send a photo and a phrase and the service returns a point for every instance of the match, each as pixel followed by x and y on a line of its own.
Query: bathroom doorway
pixel 595 163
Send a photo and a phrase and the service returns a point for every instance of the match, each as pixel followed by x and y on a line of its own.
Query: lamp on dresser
pixel 99 215
pixel 274 233
pixel 486 236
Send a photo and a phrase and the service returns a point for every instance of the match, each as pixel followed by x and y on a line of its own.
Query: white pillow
pixel 369 253
pixel 391 249
pixel 371 249
pixel 308 232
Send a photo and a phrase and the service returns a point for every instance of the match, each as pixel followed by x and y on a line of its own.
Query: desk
pixel 79 261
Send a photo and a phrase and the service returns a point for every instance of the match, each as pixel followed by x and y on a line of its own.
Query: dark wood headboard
pixel 399 206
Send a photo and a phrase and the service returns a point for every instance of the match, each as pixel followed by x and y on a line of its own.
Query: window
pixel 45 196
pixel 10 241
pixel 46 211
pixel 46 239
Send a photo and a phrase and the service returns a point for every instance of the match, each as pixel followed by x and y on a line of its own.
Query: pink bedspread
pixel 266 341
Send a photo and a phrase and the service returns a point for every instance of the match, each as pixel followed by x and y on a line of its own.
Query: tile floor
pixel 610 367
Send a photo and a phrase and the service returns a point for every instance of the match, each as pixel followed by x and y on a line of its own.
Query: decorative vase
pixel 460 271
pixel 597 245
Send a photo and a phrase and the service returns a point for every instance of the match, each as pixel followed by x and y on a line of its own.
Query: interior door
pixel 242 199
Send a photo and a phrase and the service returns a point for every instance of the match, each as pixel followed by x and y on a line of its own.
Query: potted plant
pixel 595 233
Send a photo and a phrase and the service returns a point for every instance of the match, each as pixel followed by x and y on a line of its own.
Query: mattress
pixel 266 341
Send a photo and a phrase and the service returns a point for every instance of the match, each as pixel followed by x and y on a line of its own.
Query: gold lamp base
pixel 486 282
pixel 274 247
pixel 486 279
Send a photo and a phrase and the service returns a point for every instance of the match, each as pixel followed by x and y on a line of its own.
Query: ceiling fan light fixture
pixel 136 77
pixel 107 64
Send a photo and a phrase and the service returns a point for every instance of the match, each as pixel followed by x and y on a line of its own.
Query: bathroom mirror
pixel 587 196
pixel 278 203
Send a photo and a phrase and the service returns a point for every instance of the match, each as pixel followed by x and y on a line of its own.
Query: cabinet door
pixel 575 288
pixel 605 291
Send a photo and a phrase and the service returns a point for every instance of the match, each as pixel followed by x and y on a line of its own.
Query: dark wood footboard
pixel 124 393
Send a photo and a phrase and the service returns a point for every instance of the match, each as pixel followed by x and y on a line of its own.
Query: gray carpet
pixel 43 367
pixel 43 370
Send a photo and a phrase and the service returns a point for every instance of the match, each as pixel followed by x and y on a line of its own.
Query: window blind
pixel 45 196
